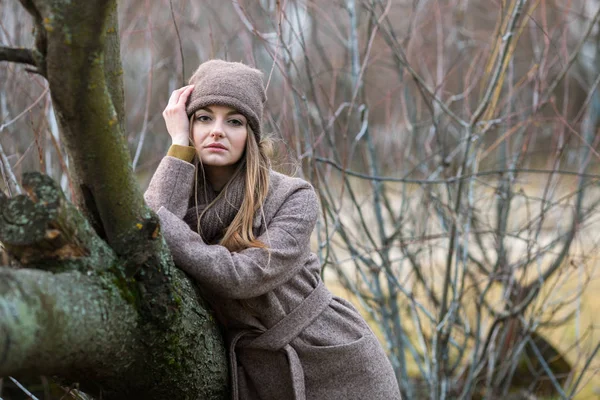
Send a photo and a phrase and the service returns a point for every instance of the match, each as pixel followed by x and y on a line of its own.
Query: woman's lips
pixel 216 147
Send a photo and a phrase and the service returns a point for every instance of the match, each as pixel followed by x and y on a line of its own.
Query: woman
pixel 242 231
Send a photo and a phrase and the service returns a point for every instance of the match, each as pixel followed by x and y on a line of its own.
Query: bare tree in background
pixel 452 254
pixel 454 146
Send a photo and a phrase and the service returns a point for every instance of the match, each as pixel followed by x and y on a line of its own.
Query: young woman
pixel 242 231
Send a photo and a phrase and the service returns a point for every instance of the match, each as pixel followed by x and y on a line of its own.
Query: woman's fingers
pixel 183 96
pixel 176 94
pixel 175 115
pixel 178 99
pixel 174 97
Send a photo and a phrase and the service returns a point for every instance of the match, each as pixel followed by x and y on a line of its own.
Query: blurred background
pixel 454 146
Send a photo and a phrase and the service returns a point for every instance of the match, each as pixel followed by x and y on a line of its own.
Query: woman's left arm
pixel 253 271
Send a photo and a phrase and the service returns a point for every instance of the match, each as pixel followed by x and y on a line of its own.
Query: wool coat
pixel 287 336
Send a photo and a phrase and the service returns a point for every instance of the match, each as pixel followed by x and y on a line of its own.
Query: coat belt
pixel 279 336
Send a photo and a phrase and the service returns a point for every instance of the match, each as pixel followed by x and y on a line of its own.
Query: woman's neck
pixel 219 176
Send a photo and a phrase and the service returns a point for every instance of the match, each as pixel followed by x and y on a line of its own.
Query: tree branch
pixel 88 102
pixel 41 227
pixel 17 55
pixel 89 308
pixel 40 36
pixel 118 316
pixel 34 303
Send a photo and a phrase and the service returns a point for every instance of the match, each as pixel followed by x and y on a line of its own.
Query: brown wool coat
pixel 324 350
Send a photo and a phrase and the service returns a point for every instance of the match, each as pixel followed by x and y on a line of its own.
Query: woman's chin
pixel 217 162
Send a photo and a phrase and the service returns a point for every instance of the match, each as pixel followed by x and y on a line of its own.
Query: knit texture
pixel 216 210
pixel 230 84
pixel 334 356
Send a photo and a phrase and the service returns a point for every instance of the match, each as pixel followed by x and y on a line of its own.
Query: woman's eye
pixel 203 118
pixel 236 122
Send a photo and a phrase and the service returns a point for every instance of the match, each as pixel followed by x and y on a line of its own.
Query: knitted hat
pixel 230 84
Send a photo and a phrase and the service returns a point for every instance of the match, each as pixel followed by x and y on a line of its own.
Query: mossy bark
pixel 99 300
pixel 80 328
pixel 125 328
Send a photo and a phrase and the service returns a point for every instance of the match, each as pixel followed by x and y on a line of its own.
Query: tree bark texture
pixel 98 299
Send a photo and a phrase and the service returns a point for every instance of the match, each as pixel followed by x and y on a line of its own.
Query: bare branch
pixel 17 55
pixel 507 39
pixel 7 172
pixel 454 179
pixel 554 84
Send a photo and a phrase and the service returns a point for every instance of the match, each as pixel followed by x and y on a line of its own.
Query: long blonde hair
pixel 255 164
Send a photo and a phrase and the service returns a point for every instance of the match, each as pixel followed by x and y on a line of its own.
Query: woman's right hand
pixel 176 119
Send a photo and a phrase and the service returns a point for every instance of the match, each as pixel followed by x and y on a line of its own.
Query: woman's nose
pixel 217 129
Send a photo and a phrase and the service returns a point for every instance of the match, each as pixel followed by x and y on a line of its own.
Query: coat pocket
pixel 338 325
pixel 354 370
pixel 338 348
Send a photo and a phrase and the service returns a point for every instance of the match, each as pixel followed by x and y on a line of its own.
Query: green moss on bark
pixel 141 312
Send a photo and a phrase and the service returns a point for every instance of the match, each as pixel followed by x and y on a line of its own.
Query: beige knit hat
pixel 230 84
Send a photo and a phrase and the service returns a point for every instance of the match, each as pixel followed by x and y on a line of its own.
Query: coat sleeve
pixel 253 271
pixel 171 185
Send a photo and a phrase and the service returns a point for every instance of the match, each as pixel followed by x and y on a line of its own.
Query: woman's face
pixel 219 134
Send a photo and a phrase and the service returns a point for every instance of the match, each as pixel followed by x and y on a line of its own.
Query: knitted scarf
pixel 222 211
